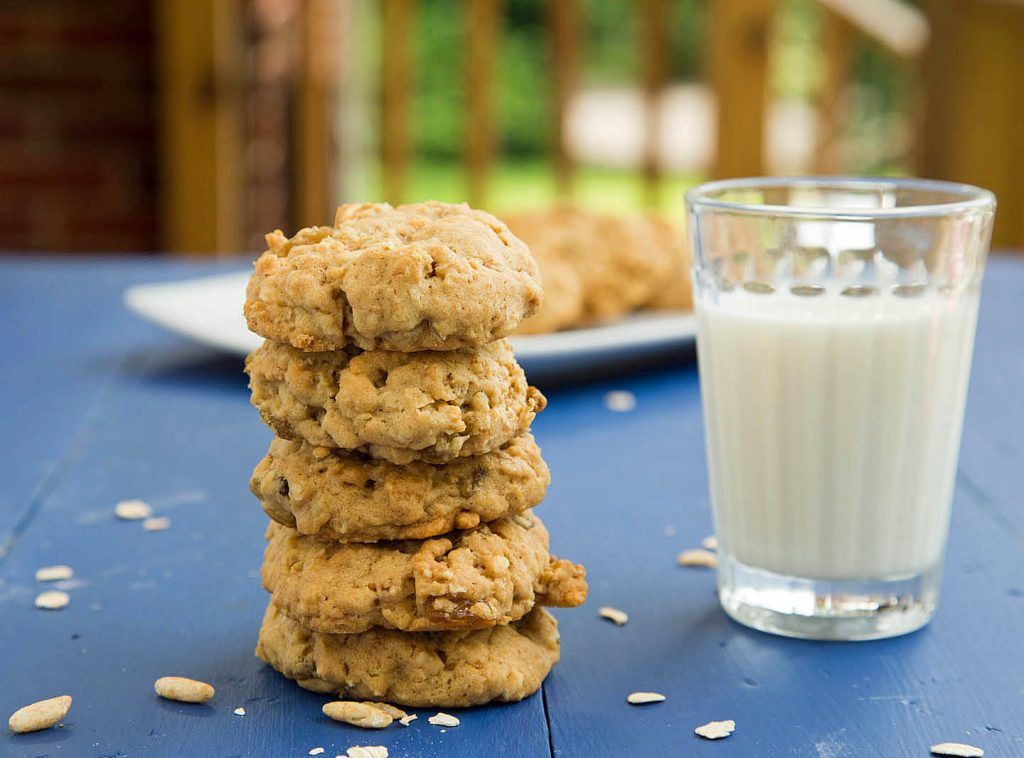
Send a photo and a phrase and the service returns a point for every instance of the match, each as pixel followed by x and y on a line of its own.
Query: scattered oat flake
pixel 621 401
pixel 697 557
pixel 958 749
pixel 367 751
pixel 715 730
pixel 641 698
pixel 406 720
pixel 669 531
pixel 239 711
pixel 183 689
pixel 316 751
pixel 393 711
pixel 614 615
pixel 710 542
pixel 443 719
pixel 156 524
pixel 357 714
pixel 54 573
pixel 52 600
pixel 41 715
pixel 133 510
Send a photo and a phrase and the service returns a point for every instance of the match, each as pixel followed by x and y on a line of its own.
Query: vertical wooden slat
pixel 971 130
pixel 484 20
pixel 200 62
pixel 837 45
pixel 563 19
pixel 395 57
pixel 739 77
pixel 314 149
pixel 654 51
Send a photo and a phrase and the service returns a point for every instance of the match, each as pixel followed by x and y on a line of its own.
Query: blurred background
pixel 198 125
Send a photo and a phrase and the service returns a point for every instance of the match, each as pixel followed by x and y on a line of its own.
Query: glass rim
pixel 971 198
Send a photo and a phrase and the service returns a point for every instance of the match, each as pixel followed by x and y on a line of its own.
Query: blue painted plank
pixel 57 335
pixel 174 428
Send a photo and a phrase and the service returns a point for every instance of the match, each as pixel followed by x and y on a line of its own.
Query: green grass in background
pixel 522 184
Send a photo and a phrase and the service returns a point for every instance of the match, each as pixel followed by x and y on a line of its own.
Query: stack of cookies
pixel 404 563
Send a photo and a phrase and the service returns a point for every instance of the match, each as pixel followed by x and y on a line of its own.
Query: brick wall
pixel 77 126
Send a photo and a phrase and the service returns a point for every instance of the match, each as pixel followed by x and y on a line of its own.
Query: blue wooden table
pixel 99 407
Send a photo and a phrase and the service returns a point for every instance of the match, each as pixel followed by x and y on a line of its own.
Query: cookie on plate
pixel 430 669
pixel 426 276
pixel 429 406
pixel 349 497
pixel 676 292
pixel 492 574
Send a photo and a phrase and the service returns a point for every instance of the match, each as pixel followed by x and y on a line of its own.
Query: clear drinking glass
pixel 836 324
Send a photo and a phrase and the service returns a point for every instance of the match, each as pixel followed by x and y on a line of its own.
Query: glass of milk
pixel 836 323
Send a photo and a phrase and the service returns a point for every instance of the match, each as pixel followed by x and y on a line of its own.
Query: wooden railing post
pixel 654 51
pixel 563 20
pixel 484 21
pixel 395 84
pixel 739 77
pixel 200 65
pixel 837 46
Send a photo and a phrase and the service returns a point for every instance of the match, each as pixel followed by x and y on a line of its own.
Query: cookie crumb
pixel 239 711
pixel 958 749
pixel 52 600
pixel 715 730
pixel 443 719
pixel 620 401
pixel 697 557
pixel 366 751
pixel 614 615
pixel 357 714
pixel 183 689
pixel 710 542
pixel 641 698
pixel 316 751
pixel 133 510
pixel 406 720
pixel 54 573
pixel 156 524
pixel 40 715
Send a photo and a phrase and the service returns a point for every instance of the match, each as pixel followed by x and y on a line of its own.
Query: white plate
pixel 210 310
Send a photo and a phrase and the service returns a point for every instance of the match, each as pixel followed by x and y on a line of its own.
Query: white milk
pixel 833 428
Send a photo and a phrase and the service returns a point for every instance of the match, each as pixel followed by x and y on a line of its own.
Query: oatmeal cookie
pixel 492 574
pixel 676 292
pixel 429 406
pixel 618 260
pixel 348 497
pixel 427 276
pixel 430 669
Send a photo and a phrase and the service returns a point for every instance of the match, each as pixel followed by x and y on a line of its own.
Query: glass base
pixel 825 609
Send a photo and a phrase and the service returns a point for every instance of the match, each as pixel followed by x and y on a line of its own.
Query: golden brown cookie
pixel 427 276
pixel 676 292
pixel 618 260
pixel 429 669
pixel 349 497
pixel 492 574
pixel 429 406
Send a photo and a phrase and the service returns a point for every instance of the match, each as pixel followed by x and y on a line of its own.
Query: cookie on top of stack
pixel 403 560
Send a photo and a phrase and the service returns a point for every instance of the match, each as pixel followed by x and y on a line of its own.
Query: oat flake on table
pixel 239 711
pixel 366 751
pixel 133 510
pixel 52 600
pixel 156 524
pixel 697 558
pixel 614 615
pixel 642 698
pixel 316 751
pixel 716 730
pixel 443 719
pixel 710 542
pixel 54 573
pixel 621 401
pixel 958 749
